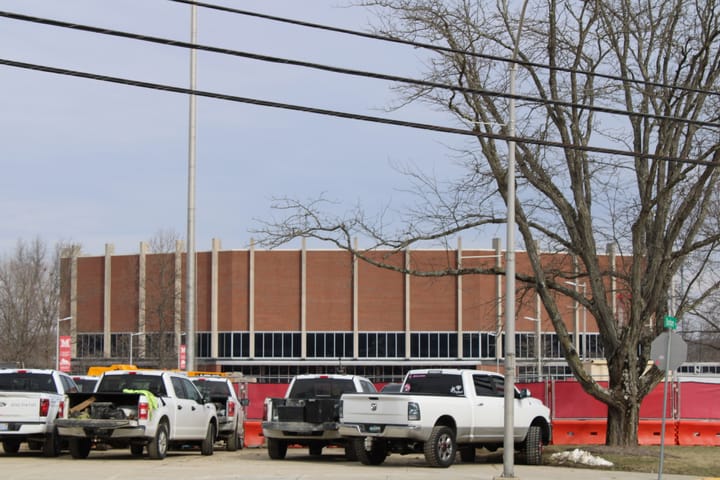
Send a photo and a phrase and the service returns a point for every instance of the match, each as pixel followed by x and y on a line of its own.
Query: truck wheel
pixel 79 447
pixel 206 447
pixel 51 447
pixel 231 444
pixel 440 448
pixel 468 453
pixel 370 451
pixel 277 449
pixel 531 448
pixel 158 446
pixel 11 446
pixel 136 450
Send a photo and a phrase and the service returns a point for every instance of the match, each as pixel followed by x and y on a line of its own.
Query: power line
pixel 347 115
pixel 440 48
pixel 346 71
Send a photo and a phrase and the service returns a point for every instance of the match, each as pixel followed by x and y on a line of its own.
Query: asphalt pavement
pixel 254 464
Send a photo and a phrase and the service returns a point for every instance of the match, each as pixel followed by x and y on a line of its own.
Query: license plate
pixel 3 427
pixel 374 429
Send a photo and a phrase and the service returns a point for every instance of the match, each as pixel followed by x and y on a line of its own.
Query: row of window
pixel 391 345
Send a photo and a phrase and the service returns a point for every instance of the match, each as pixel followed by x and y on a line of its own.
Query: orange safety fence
pixel 649 432
pixel 253 433
pixel 698 432
pixel 579 432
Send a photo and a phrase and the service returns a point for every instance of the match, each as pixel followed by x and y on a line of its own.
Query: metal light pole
pixel 57 341
pixel 190 267
pixel 509 398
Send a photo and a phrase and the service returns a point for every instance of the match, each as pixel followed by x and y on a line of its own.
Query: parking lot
pixel 254 464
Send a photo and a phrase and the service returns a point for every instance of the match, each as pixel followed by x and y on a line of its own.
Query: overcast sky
pixel 91 162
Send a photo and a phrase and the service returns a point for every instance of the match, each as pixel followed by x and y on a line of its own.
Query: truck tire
pixel 372 454
pixel 158 446
pixel 440 448
pixel 277 449
pixel 531 448
pixel 468 453
pixel 79 447
pixel 231 444
pixel 11 446
pixel 51 447
pixel 206 447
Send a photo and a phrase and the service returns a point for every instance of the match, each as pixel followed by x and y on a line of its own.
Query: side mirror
pixel 244 402
pixel 524 393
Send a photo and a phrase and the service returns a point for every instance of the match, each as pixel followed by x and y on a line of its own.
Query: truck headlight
pixel 413 411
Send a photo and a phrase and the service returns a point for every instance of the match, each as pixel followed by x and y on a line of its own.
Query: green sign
pixel 670 322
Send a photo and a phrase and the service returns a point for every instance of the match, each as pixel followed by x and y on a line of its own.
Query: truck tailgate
pixel 384 409
pixel 19 406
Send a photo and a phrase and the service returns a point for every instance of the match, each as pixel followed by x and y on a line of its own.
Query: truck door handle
pixel 179 407
pixel 193 408
pixel 481 404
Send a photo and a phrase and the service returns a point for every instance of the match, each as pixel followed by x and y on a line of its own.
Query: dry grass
pixel 696 461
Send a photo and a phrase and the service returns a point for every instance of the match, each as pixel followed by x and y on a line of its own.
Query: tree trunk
pixel 622 424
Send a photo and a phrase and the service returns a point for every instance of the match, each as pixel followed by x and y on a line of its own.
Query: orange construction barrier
pixel 649 432
pixel 698 432
pixel 253 433
pixel 579 432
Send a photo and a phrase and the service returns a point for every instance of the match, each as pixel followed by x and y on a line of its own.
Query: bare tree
pixel 162 295
pixel 28 305
pixel 638 78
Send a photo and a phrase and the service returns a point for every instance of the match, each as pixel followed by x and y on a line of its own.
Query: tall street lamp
pixel 57 341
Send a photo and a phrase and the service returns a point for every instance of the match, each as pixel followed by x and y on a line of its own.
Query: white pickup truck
pixel 308 414
pixel 230 408
pixel 137 409
pixel 31 400
pixel 438 412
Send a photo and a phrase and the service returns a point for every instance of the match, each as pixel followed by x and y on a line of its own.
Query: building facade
pixel 272 314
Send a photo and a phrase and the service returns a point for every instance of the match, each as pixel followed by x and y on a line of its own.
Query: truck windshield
pixel 214 389
pixel 321 387
pixel 118 383
pixel 27 382
pixel 434 383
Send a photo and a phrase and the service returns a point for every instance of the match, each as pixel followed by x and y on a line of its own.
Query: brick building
pixel 275 313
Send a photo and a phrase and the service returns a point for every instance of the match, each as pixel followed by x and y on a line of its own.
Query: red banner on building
pixel 182 357
pixel 65 353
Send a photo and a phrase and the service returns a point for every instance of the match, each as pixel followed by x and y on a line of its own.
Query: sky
pixel 95 163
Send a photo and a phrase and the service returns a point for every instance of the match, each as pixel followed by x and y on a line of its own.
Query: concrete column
pixel 107 297
pixel 408 325
pixel 142 297
pixel 251 298
pixel 74 254
pixel 177 314
pixel 355 303
pixel 303 299
pixel 214 295
pixel 459 296
pixel 498 299
pixel 612 259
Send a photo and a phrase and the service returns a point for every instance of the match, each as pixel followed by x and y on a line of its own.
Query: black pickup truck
pixel 308 415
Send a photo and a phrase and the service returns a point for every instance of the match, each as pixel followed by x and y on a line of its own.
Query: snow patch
pixel 580 456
